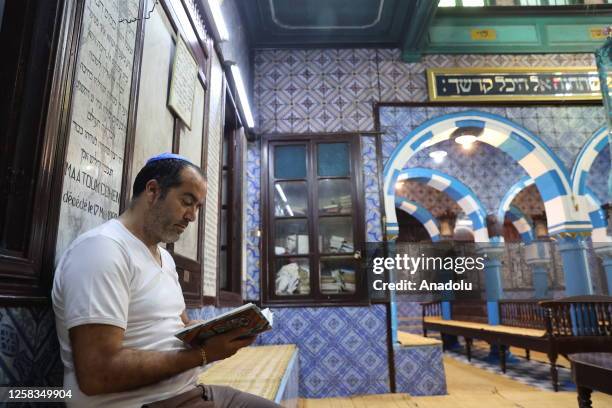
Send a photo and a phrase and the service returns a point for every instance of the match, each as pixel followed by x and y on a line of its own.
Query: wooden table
pixel 591 371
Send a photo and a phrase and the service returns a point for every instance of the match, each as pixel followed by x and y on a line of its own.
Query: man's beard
pixel 162 226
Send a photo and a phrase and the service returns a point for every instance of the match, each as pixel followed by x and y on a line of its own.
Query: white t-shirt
pixel 108 276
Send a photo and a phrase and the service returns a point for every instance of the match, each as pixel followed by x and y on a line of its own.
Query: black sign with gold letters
pixel 513 84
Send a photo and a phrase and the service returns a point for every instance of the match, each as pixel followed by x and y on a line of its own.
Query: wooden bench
pixel 414 340
pixel 574 324
pixel 270 372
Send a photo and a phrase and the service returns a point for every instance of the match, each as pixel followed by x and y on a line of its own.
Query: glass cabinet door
pixel 335 220
pixel 289 214
pixel 314 222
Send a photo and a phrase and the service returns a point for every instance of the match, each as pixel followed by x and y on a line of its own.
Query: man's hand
pixel 221 346
pixel 188 322
pixel 226 345
pixel 192 322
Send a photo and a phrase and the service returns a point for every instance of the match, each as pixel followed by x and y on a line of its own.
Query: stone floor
pixel 469 387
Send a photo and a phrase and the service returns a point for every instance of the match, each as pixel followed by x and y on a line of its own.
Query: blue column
pixel 394 325
pixel 447 296
pixel 392 251
pixel 607 264
pixel 493 278
pixel 576 269
pixel 446 310
pixel 604 251
pixel 540 281
pixel 537 255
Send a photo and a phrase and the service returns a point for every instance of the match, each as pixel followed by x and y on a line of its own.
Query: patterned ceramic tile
pixel 373 220
pixel 529 201
pixel 419 370
pixel 409 313
pixel 206 312
pixel 342 350
pixel 29 349
pixel 597 180
pixel 533 373
pixel 253 214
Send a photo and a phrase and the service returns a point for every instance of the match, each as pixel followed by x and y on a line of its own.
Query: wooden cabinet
pixel 313 220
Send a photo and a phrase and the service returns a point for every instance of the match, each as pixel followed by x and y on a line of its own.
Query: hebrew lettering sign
pixel 182 87
pixel 98 123
pixel 513 84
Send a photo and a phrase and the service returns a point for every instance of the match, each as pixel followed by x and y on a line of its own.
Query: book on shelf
pixel 349 287
pixel 246 320
pixel 331 208
pixel 302 244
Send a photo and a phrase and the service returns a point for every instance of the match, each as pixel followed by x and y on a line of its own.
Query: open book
pixel 246 320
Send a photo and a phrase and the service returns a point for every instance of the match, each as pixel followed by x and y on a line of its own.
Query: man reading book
pixel 118 302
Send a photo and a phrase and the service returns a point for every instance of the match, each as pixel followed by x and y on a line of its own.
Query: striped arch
pixel 421 214
pixel 598 218
pixel 586 158
pixel 522 223
pixel 540 163
pixel 511 194
pixel 459 192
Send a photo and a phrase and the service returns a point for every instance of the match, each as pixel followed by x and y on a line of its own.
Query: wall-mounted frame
pixel 513 84
pixel 183 83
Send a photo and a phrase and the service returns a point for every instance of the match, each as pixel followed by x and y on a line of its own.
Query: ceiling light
pixel 466 141
pixel 438 155
pixel 281 192
pixel 288 207
pixel 473 3
pixel 218 21
pixel 242 96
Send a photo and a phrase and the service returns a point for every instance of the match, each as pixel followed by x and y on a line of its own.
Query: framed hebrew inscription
pixel 183 84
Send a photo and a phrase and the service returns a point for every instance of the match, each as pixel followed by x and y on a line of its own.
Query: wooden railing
pixel 431 309
pixel 522 313
pixel 579 316
pixel 469 310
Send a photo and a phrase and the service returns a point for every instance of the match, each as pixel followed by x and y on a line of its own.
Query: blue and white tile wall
pixel 206 312
pixel 597 179
pixel 409 312
pixel 371 189
pixel 327 90
pixel 332 90
pixel 529 201
pixel 419 370
pixel 253 213
pixel 342 350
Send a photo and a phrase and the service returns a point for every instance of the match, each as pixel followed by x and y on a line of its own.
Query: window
pixel 313 234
